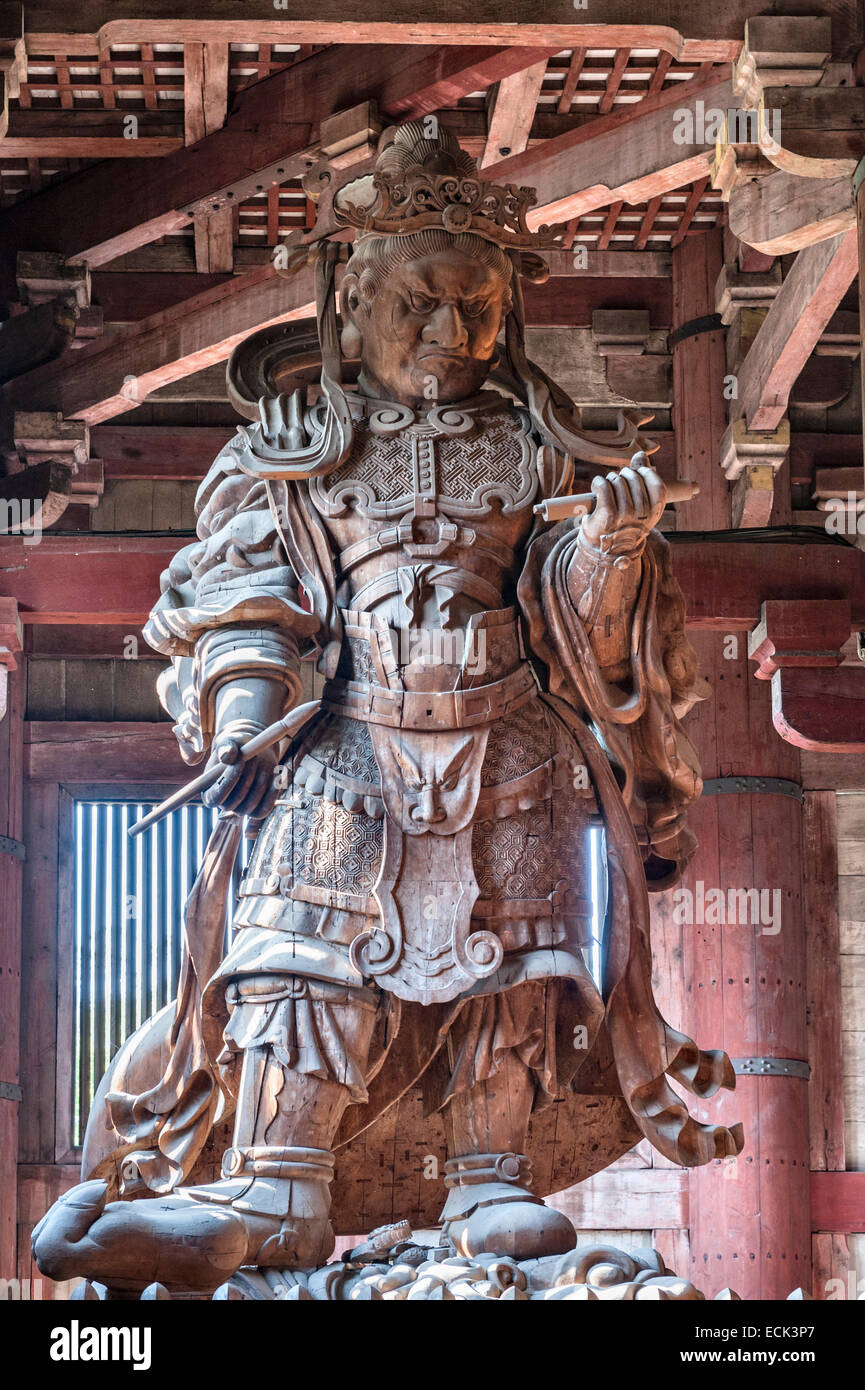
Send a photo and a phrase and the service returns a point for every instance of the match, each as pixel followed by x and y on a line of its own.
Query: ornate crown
pixel 421 181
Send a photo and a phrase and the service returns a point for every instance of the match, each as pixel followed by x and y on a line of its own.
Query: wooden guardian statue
pixel 408 977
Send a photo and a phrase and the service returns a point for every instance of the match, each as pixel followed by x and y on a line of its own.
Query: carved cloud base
pixel 407 1270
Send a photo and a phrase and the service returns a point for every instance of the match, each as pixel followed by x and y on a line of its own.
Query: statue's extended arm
pixel 608 618
pixel 231 617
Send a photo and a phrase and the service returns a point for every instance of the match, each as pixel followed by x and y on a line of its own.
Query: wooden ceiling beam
pixel 107 580
pixel 273 123
pixel 127 297
pixel 513 111
pixel 635 144
pixel 45 133
pixel 703 32
pixel 118 372
pixel 178 453
pixel 183 453
pixel 88 146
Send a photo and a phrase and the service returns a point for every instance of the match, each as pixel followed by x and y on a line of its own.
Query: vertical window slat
pixel 127 938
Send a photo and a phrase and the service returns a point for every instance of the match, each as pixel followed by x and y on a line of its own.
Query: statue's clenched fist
pixel 628 505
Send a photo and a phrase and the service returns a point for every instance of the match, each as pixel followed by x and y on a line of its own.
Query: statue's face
pixel 429 334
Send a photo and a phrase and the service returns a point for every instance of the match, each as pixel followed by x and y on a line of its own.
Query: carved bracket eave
pixel 820 711
pixel 817 704
pixel 49 470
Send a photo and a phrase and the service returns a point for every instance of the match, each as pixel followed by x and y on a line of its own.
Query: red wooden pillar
pixel 699 407
pixel 11 864
pixel 745 980
pixel 750 1218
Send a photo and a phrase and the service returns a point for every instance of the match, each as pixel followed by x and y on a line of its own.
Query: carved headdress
pixel 424 181
pixel 423 191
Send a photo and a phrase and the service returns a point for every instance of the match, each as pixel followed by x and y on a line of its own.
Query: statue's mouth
pixel 444 355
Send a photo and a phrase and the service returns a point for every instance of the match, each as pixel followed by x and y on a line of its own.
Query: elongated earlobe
pixel 350 340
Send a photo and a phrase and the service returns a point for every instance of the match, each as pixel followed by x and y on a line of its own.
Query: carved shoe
pixel 490 1209
pixel 282 1195
pixel 271 1208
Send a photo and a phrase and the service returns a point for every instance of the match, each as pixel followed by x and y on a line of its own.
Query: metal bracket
pixel 13 847
pixel 755 786
pixel 771 1066
pixel 708 323
pixel 9 1091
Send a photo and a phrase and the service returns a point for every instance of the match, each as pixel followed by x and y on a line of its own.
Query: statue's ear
pixel 531 266
pixel 351 338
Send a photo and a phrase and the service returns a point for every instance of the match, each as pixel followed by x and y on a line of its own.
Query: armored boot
pixel 277 1174
pixel 271 1205
pixel 491 1209
pixel 281 1194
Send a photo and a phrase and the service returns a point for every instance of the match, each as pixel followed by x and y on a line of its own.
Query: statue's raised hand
pixel 628 504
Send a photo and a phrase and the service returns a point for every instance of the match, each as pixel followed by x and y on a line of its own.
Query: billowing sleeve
pixel 634 679
pixel 230 605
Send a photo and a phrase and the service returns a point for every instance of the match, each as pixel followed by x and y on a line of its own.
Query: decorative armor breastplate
pixel 428 512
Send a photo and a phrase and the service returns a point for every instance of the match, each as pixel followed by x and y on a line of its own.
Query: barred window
pixel 128 926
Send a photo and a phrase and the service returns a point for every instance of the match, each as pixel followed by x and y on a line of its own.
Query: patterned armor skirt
pixel 318 897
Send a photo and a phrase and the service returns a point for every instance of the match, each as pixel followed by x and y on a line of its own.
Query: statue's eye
pixel 474 307
pixel 421 303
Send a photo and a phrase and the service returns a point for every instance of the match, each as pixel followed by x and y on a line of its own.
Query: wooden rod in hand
pixel 558 508
pixel 283 728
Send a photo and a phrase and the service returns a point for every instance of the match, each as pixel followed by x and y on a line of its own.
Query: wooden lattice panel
pixel 593 81
pixel 266 219
pixel 654 226
pixel 142 76
pixel 19 178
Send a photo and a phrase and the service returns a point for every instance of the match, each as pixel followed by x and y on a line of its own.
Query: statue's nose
pixel 427 810
pixel 445 328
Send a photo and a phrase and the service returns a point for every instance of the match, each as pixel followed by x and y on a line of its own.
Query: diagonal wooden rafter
pixel 799 313
pixel 117 373
pixel 609 226
pixel 273 123
pixel 572 77
pixel 647 223
pixel 636 144
pixel 690 208
pixel 615 81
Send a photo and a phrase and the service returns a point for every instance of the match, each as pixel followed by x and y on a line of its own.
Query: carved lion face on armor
pixel 423 313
